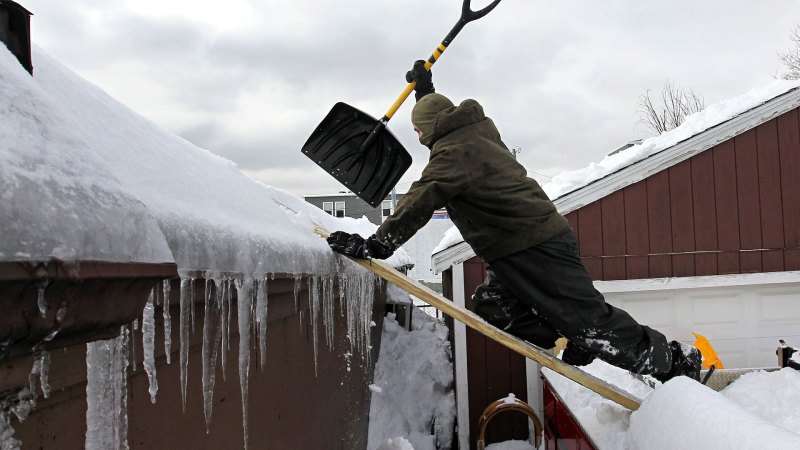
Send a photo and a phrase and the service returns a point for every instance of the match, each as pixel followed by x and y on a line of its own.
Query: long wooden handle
pixel 473 321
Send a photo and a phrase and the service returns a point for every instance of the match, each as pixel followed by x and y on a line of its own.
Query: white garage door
pixel 743 315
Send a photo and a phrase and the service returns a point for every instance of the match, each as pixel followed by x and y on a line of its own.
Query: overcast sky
pixel 251 79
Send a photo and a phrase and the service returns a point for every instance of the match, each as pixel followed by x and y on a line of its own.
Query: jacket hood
pixel 425 112
pixel 451 119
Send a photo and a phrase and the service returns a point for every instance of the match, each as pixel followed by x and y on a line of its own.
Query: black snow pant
pixel 545 292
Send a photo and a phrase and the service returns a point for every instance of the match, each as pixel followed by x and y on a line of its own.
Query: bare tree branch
pixel 791 58
pixel 676 104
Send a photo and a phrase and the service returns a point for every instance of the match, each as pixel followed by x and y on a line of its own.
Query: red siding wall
pixel 734 208
pixel 494 371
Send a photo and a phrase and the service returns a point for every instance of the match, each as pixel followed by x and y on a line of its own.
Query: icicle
pixel 186 298
pixel 106 393
pixel 41 301
pixel 7 441
pixel 148 344
pixel 211 338
pixel 327 310
pixel 357 293
pixel 41 368
pixel 261 320
pixel 297 279
pixel 135 328
pixel 167 323
pixel 191 302
pixel 224 300
pixel 244 294
pixel 313 300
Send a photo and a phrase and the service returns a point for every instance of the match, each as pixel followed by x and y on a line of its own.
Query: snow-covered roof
pixel 570 190
pixel 83 177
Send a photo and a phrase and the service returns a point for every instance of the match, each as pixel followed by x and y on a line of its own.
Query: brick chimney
pixel 15 31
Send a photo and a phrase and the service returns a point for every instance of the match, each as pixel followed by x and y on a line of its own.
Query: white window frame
pixel 339 207
pixel 327 207
pixel 386 204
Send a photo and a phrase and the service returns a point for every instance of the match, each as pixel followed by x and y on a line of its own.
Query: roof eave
pixel 677 153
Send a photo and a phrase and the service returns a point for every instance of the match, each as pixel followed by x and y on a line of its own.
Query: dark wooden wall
pixel 732 209
pixel 289 406
pixel 494 371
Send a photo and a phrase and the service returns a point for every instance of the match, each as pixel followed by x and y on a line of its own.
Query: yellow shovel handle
pixel 410 87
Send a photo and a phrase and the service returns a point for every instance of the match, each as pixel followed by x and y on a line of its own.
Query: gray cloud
pixel 561 80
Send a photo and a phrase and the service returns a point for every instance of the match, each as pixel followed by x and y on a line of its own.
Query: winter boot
pixel 576 356
pixel 686 361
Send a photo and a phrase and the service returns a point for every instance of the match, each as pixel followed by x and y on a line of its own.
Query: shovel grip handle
pixel 467 15
pixel 410 86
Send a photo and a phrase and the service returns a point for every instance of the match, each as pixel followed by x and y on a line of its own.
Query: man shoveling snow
pixel 537 287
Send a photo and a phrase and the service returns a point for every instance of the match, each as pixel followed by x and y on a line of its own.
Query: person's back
pixel 498 208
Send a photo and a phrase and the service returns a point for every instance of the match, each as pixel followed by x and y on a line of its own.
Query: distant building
pixel 419 247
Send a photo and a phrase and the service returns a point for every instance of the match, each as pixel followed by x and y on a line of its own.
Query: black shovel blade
pixel 371 172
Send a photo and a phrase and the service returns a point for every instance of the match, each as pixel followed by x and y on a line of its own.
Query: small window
pixel 386 209
pixel 339 210
pixel 327 207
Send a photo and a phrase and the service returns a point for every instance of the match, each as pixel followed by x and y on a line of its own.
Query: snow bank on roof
pixel 451 237
pixel 713 115
pixel 605 422
pixel 685 414
pixel 767 400
pixel 773 396
pixel 84 177
pixel 58 198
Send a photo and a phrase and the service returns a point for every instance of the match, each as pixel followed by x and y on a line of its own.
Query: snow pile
pixel 687 415
pixel 757 410
pixel 773 396
pixel 412 392
pixel 711 116
pixel 511 445
pixel 605 421
pixel 83 177
pixel 451 237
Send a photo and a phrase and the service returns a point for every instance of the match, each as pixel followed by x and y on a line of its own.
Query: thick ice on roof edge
pixel 84 177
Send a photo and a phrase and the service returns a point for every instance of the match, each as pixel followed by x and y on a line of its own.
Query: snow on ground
pixel 412 392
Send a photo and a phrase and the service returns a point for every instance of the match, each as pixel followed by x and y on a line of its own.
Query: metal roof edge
pixel 447 258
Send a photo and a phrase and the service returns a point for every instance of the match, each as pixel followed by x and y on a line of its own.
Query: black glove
pixel 423 78
pixel 358 247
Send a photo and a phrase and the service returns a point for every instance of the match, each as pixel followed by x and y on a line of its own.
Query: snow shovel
pixel 358 150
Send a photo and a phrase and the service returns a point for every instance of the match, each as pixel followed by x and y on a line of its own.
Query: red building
pixel 699 234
